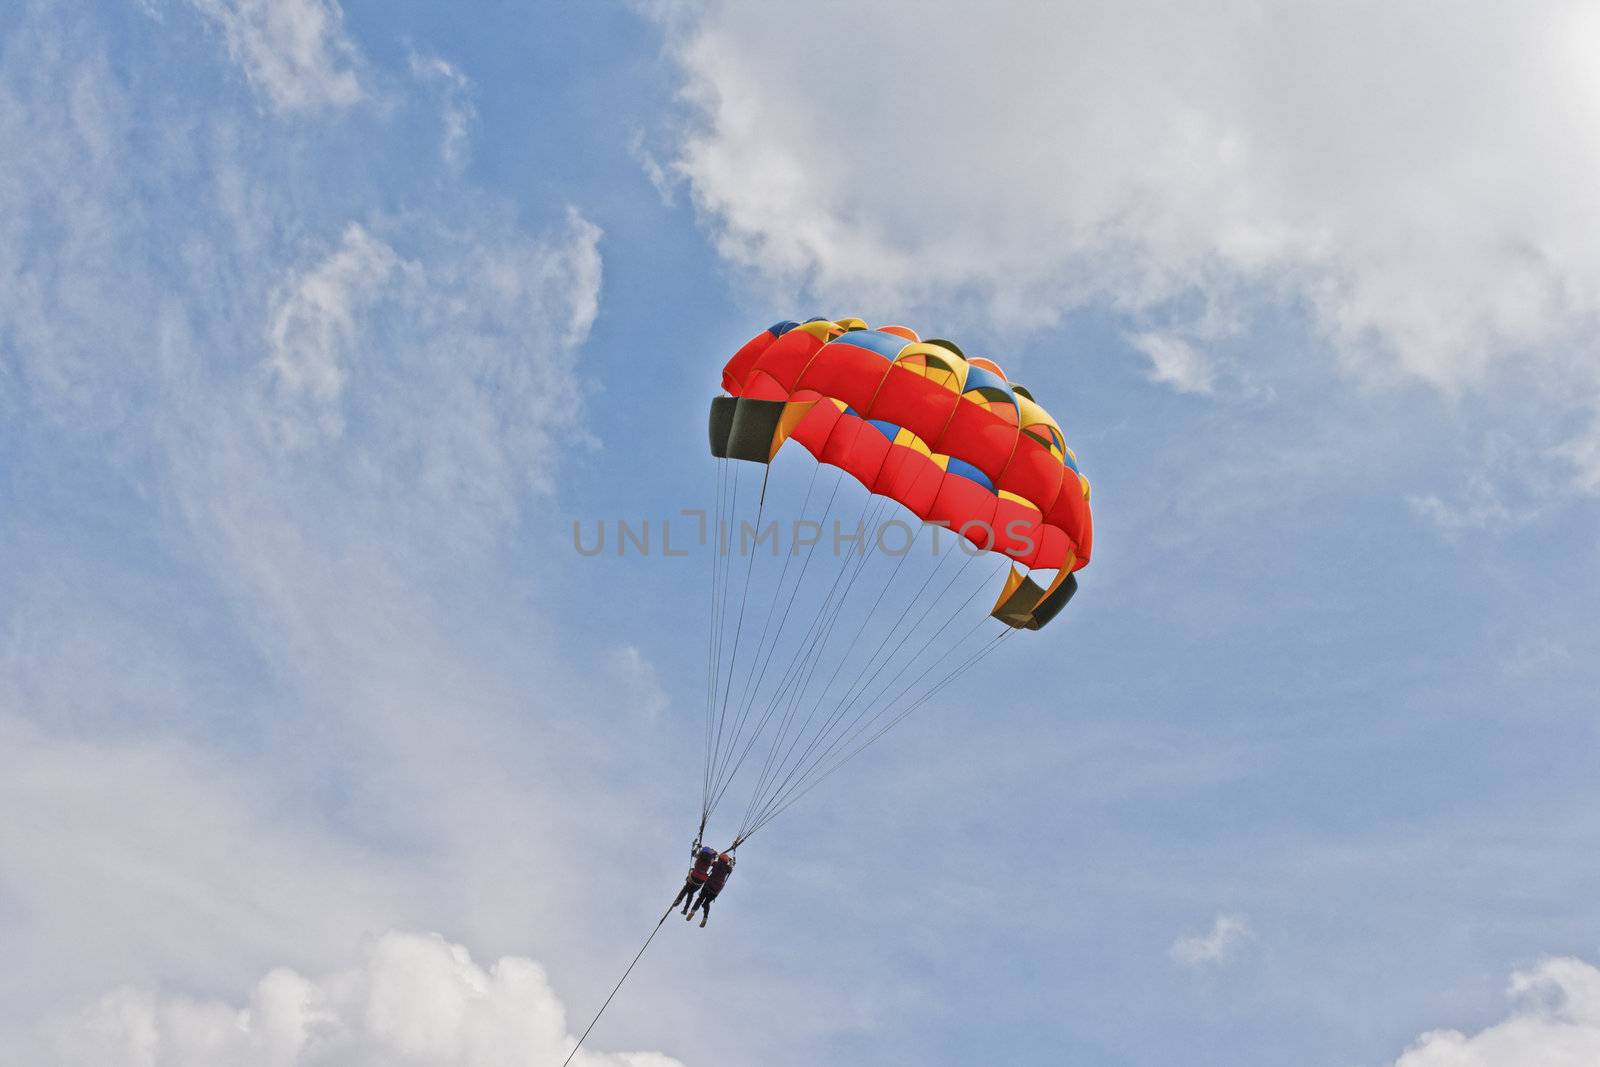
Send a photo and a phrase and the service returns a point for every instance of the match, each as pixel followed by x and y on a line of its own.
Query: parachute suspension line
pixel 803 769
pixel 848 699
pixel 721 564
pixel 797 675
pixel 818 631
pixel 785 770
pixel 855 727
pixel 720 572
pixel 806 733
pixel 751 693
pixel 722 755
pixel 733 659
pixel 884 703
pixel 865 680
pixel 618 986
pixel 715 522
pixel 747 697
pixel 815 631
pixel 841 601
pixel 738 630
pixel 966 665
pixel 774 760
pixel 768 765
pixel 820 627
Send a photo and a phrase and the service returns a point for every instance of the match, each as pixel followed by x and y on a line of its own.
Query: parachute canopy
pixel 948 436
pixel 846 650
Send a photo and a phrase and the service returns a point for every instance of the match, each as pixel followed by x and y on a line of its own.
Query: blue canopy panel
pixel 887 345
pixel 967 470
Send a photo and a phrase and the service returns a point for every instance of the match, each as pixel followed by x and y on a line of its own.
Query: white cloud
pixel 133 857
pixel 1424 186
pixel 1174 362
pixel 1508 485
pixel 1223 940
pixel 457 112
pixel 1581 454
pixel 414 999
pixel 1555 1023
pixel 63 184
pixel 306 432
pixel 461 357
pixel 293 51
pixel 313 321
pixel 661 178
pixel 1480 507
pixel 453 338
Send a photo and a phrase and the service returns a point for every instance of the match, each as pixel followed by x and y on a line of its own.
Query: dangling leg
pixel 685 895
pixel 705 904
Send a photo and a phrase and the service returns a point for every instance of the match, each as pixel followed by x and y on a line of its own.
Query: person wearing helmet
pixel 703 856
pixel 720 870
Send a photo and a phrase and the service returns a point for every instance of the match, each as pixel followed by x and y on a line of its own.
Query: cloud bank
pixel 1420 182
pixel 1555 1023
pixel 415 999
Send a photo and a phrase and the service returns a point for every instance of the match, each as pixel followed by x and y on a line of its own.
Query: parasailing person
pixel 720 870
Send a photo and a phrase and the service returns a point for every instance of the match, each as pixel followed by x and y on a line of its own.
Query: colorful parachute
pixel 917 423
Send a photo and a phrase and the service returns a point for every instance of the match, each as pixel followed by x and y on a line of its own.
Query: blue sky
pixel 320 325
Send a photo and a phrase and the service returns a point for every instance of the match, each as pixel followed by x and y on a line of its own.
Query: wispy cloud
pixel 1175 362
pixel 1510 484
pixel 457 111
pixel 1480 507
pixel 640 685
pixel 484 327
pixel 313 322
pixel 1581 454
pixel 1223 940
pixel 325 421
pixel 293 51
pixel 663 178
